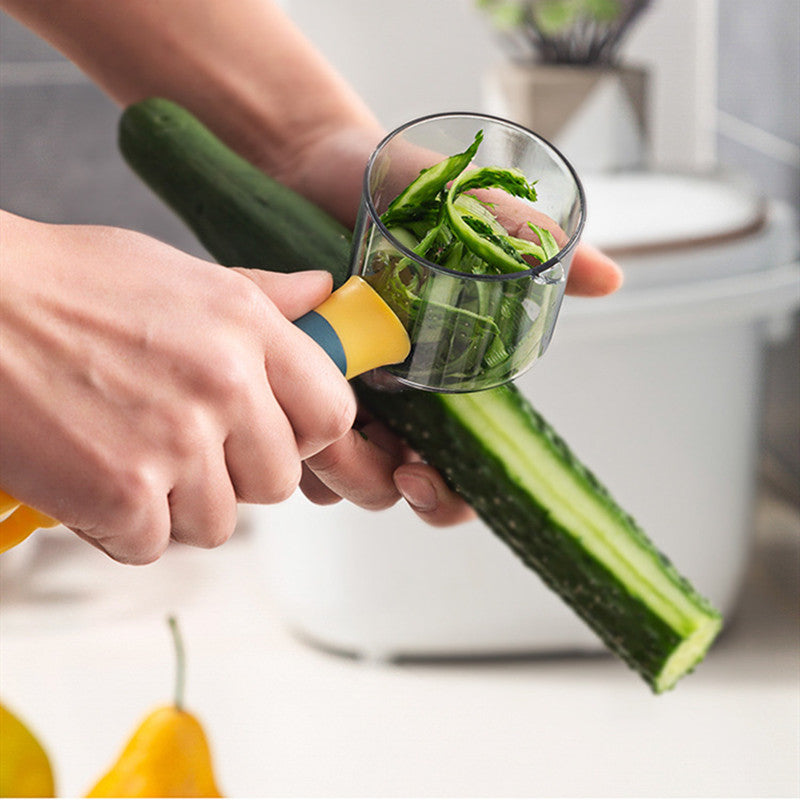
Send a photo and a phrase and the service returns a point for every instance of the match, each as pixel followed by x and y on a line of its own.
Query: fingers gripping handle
pixel 354 326
pixel 357 329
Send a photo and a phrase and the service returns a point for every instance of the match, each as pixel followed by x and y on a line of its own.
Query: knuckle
pixel 339 417
pixel 247 298
pixel 139 537
pixel 225 375
pixel 148 547
pixel 276 484
pixel 216 538
pixel 219 530
pixel 187 429
pixel 135 518
pixel 284 484
pixel 133 487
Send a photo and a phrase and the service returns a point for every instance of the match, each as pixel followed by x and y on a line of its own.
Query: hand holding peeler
pixel 354 326
pixel 428 326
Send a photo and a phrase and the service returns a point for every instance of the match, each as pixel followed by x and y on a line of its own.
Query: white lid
pixel 673 227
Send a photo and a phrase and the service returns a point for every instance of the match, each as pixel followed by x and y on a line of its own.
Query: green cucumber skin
pixel 246 219
pixel 242 217
pixel 624 623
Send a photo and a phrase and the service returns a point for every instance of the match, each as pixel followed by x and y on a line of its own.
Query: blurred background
pixel 699 113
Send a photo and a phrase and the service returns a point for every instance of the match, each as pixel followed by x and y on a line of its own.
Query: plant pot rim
pixel 529 65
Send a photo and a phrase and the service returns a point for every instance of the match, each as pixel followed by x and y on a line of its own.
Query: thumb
pixel 294 294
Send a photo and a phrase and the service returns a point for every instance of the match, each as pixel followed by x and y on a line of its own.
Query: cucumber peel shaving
pixel 469 224
pixel 465 330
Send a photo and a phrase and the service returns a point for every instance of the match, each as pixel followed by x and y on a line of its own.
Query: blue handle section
pixel 323 333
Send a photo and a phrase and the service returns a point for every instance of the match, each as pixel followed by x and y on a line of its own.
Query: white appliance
pixel 655 388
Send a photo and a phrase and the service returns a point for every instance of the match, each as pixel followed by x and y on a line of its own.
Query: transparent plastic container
pixel 468 331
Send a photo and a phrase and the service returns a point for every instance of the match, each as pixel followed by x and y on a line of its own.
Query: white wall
pixel 677 41
pixel 422 56
pixel 406 58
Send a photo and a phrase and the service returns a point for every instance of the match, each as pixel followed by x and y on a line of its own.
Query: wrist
pixel 328 169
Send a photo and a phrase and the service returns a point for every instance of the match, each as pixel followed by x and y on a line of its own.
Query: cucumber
pixel 248 220
pixel 524 482
pixel 492 447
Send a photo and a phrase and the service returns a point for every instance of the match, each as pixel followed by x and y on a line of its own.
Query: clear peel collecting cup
pixel 469 330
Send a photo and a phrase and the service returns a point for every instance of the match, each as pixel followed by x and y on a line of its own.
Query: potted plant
pixel 562 77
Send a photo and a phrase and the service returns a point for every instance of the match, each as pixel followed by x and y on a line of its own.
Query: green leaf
pixel 528 248
pixel 603 10
pixel 555 16
pixel 504 14
pixel 469 206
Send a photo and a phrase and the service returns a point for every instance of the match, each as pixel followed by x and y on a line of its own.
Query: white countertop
pixel 86 654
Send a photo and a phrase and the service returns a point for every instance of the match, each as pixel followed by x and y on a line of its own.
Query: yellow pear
pixel 168 754
pixel 25 769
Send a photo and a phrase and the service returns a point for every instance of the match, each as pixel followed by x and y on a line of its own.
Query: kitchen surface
pixel 306 634
pixel 86 654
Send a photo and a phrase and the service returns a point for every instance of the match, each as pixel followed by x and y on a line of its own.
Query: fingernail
pixel 418 492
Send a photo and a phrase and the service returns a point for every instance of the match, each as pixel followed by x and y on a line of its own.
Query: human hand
pixel 144 391
pixel 591 272
pixel 311 132
pixel 330 171
pixel 334 164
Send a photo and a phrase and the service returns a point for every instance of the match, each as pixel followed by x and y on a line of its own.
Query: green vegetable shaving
pixel 464 328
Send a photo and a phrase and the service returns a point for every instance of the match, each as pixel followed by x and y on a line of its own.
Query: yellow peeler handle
pixel 354 326
pixel 357 329
pixel 19 521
